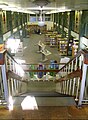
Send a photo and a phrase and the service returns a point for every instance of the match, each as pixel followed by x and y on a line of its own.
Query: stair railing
pixel 13 76
pixel 16 75
pixel 46 73
pixel 70 79
pixel 73 78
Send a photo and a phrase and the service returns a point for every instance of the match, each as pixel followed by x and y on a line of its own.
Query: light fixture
pixel 3 5
pixel 41 2
pixel 41 22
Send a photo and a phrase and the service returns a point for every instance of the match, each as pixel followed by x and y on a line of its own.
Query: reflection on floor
pixel 46 113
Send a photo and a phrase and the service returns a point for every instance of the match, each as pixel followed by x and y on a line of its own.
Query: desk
pixel 45 53
pixel 41 46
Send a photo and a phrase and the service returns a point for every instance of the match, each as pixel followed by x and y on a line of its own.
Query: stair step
pixel 48 101
pixel 41 86
pixel 44 94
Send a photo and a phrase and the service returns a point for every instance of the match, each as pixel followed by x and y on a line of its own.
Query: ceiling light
pixel 41 22
pixel 58 10
pixel 3 5
pixel 41 2
pixel 39 8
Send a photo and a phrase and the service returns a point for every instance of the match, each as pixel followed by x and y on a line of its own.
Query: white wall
pixel 74 34
pixel 6 35
pixel 83 42
pixel 14 30
pixel 66 29
pixel 49 25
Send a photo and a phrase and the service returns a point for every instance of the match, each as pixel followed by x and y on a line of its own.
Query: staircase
pixel 41 86
pixel 45 94
pixel 65 86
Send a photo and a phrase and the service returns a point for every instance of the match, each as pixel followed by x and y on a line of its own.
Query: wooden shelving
pixel 62 46
pixel 53 41
pixel 33 28
pixel 70 45
pixel 47 38
pixel 75 48
pixel 51 38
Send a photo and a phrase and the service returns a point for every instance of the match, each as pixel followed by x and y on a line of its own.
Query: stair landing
pixel 47 99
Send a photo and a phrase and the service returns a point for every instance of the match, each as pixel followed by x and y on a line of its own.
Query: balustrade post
pixel 73 89
pixel 82 84
pixel 85 65
pixel 4 76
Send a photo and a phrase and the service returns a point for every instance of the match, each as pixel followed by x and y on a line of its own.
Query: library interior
pixel 43 59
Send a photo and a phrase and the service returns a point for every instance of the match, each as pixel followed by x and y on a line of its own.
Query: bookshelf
pixel 75 47
pixel 51 38
pixel 47 38
pixel 62 46
pixel 53 41
pixel 33 27
pixel 70 44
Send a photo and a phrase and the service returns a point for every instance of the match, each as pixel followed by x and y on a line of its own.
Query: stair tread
pixel 45 94
pixel 48 101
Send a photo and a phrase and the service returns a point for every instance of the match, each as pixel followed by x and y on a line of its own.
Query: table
pixel 41 46
pixel 45 53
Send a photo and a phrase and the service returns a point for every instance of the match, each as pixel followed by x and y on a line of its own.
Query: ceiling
pixel 33 6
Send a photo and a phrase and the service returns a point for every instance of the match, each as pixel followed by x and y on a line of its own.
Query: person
pixel 53 65
pixel 40 67
pixel 32 67
pixel 56 66
pixel 38 32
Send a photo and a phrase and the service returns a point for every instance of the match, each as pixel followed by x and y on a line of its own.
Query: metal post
pixel 82 84
pixel 4 78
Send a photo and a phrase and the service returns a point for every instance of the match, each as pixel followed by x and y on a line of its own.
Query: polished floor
pixel 30 48
pixel 46 113
pixel 43 112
